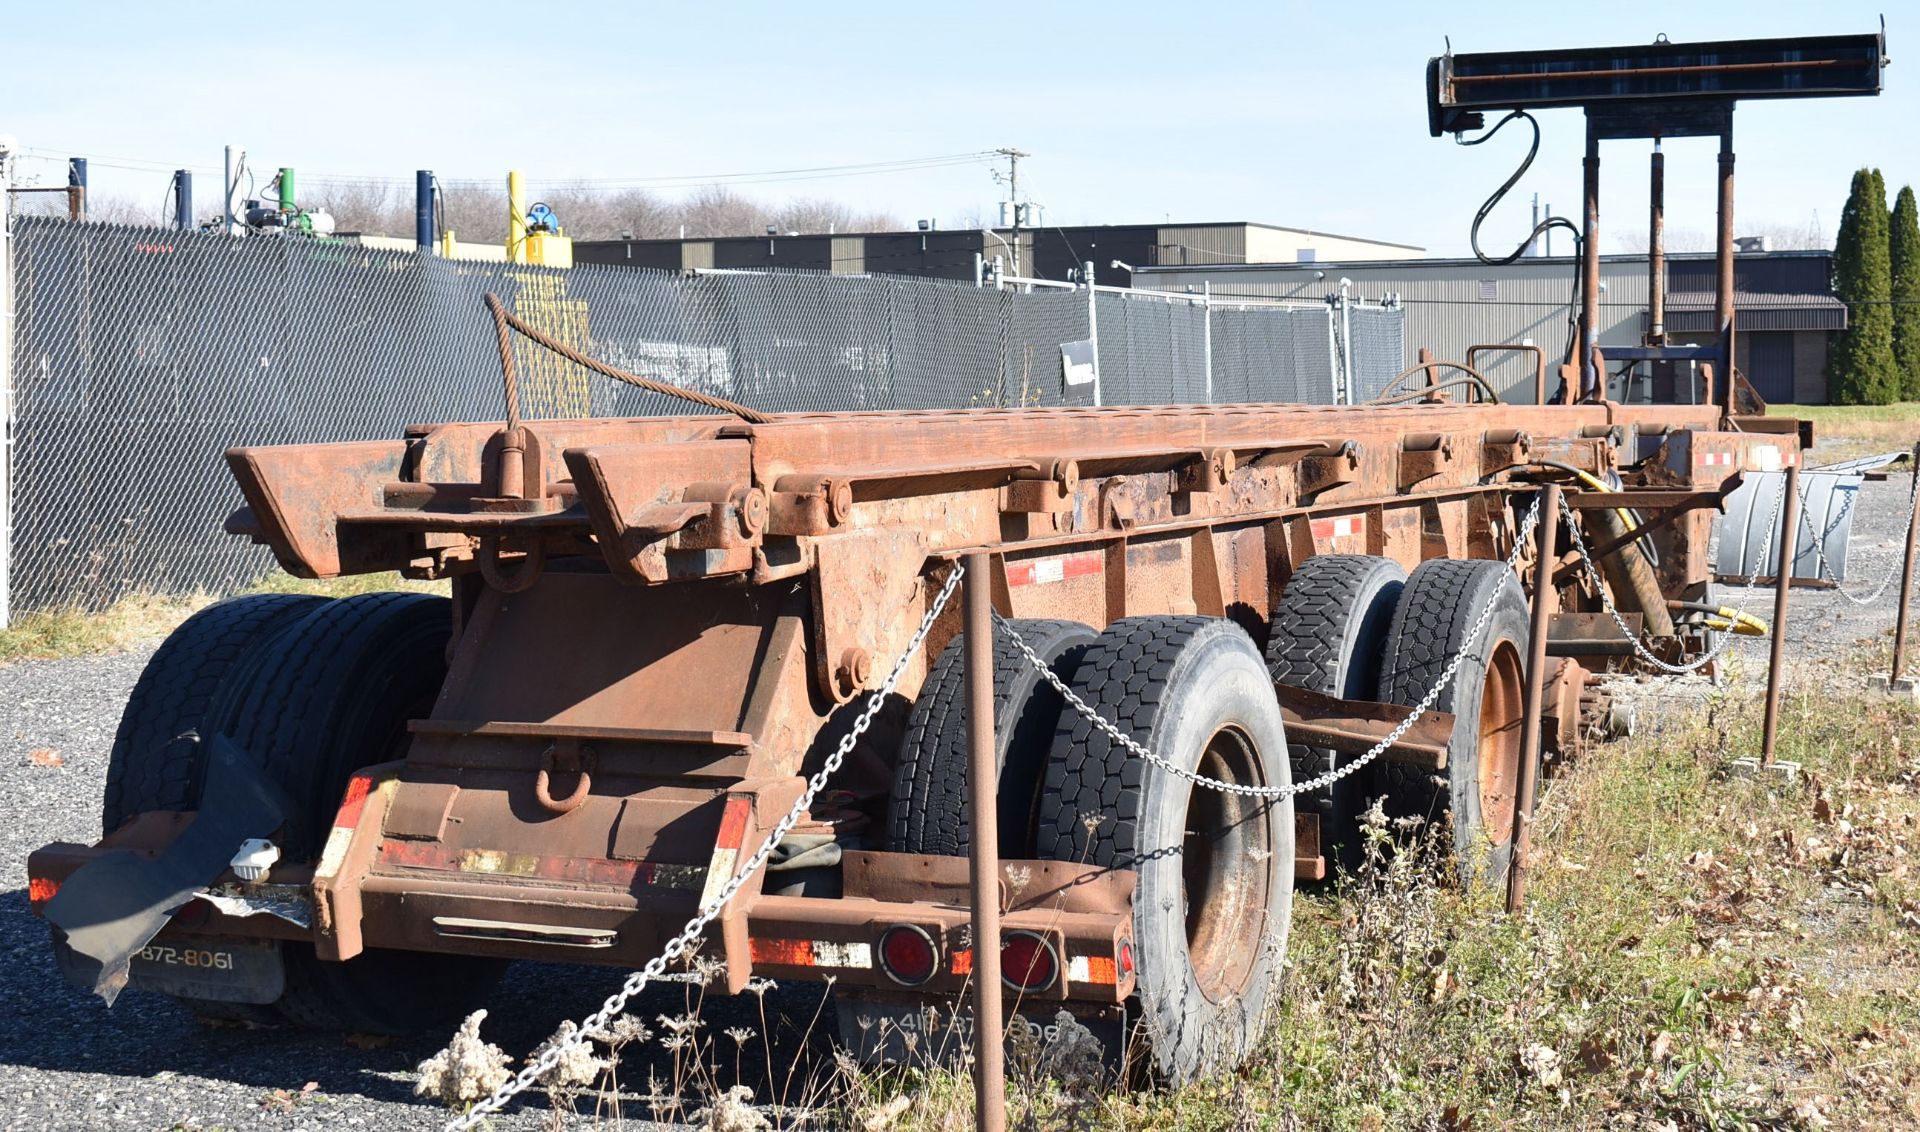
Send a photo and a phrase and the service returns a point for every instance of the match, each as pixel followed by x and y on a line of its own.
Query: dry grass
pixel 1842 432
pixel 144 618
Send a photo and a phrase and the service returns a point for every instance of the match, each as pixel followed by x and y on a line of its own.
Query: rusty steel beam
pixel 1354 726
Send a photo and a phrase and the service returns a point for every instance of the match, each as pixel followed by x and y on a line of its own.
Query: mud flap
pixel 112 907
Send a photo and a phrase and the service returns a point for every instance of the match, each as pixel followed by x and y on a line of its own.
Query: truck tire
pixel 1193 690
pixel 928 810
pixel 152 767
pixel 335 695
pixel 156 763
pixel 1328 631
pixel 1472 801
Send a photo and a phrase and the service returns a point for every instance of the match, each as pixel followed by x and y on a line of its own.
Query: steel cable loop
pixel 505 317
pixel 1641 650
pixel 689 936
pixel 1824 569
pixel 1425 705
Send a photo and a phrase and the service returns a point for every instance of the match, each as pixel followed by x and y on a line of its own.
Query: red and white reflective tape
pixel 347 819
pixel 1056 568
pixel 1341 526
pixel 811 953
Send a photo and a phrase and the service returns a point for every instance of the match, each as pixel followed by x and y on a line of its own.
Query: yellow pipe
pixel 516 217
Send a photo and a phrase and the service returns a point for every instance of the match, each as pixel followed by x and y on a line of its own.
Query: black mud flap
pixel 110 909
pixel 884 1030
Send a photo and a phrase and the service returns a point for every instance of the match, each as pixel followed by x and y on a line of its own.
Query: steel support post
pixel 1590 267
pixel 1906 583
pixel 6 386
pixel 1543 603
pixel 1782 587
pixel 1723 273
pixel 1093 327
pixel 76 188
pixel 1206 333
pixel 1657 248
pixel 983 772
pixel 183 199
pixel 423 224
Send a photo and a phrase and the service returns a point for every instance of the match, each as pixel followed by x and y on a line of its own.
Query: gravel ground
pixel 67 1062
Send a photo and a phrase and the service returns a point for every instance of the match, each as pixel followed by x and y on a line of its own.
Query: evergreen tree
pixel 1905 246
pixel 1861 369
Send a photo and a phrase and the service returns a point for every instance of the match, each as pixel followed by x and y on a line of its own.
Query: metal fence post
pixel 1206 333
pixel 1782 586
pixel 1093 327
pixel 6 386
pixel 1906 584
pixel 1522 834
pixel 989 1048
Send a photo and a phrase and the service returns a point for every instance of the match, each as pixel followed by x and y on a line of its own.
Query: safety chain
pixel 1425 705
pixel 1820 545
pixel 1613 611
pixel 690 935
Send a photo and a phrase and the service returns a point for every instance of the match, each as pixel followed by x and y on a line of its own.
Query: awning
pixel 1692 312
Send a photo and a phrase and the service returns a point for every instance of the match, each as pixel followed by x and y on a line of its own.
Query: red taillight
pixel 1126 957
pixel 907 955
pixel 1027 962
pixel 40 889
pixel 193 914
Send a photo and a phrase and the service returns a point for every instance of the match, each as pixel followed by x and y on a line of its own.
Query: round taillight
pixel 907 955
pixel 1027 962
pixel 1126 957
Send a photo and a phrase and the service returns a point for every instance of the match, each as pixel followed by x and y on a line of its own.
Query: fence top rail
pixel 1197 298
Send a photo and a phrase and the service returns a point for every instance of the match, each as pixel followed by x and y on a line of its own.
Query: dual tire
pixel 313 690
pixel 1214 888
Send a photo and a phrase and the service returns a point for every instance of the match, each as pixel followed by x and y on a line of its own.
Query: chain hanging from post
pixel 684 943
pixel 1420 709
pixel 1824 569
pixel 1613 611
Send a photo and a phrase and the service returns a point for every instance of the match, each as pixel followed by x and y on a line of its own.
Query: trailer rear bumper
pixel 368 891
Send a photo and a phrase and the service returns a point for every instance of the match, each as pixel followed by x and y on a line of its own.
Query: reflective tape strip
pixel 726 854
pixel 41 889
pixel 345 821
pixel 534 866
pixel 1092 969
pixel 963 961
pixel 1341 526
pixel 1056 568
pixel 810 953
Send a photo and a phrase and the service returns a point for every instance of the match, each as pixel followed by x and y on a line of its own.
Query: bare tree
pixel 366 207
pixel 813 215
pixel 1674 239
pixel 715 210
pixel 587 213
pixel 1779 237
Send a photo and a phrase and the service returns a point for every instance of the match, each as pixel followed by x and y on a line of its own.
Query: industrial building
pixel 1785 312
pixel 1048 252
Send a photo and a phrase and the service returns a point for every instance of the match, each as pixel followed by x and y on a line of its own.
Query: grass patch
pixel 1699 951
pixel 1842 432
pixel 143 618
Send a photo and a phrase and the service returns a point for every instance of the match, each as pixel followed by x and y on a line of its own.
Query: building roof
pixel 1690 311
pixel 1438 262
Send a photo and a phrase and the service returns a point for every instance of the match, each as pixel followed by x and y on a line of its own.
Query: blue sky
pixel 1302 114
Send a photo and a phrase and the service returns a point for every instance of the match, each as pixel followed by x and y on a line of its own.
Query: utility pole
pixel 1013 157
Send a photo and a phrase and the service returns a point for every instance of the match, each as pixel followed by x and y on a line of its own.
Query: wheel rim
pixel 1502 704
pixel 1226 868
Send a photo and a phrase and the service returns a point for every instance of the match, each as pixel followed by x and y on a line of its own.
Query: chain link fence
pixel 140 355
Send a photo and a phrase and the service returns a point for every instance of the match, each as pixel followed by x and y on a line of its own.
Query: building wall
pixel 1810 366
pixel 1283 245
pixel 1452 305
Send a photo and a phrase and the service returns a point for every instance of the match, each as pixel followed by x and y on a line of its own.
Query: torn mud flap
pixel 109 910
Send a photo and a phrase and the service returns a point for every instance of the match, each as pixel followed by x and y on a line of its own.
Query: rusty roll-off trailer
pixel 658 626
